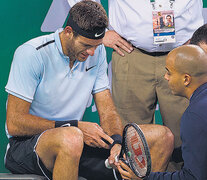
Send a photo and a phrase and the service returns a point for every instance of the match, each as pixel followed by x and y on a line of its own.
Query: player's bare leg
pixel 60 150
pixel 161 143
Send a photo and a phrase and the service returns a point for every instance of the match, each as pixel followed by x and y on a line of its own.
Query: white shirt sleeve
pixel 102 81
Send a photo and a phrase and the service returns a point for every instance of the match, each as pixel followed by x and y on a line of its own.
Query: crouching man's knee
pixel 161 143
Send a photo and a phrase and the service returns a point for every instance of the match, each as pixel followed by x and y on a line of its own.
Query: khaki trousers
pixel 137 84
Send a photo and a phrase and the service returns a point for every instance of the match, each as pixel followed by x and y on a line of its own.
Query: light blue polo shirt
pixel 40 74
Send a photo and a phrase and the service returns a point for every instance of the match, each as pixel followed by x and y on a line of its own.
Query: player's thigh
pixel 53 141
pixel 156 134
pixel 92 164
pixel 21 157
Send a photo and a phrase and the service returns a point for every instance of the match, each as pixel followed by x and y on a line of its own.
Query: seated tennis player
pixel 187 76
pixel 50 83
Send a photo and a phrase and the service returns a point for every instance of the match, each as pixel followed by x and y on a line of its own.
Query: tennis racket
pixel 136 150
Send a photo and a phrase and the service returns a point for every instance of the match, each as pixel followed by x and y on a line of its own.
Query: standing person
pixel 200 37
pixel 138 67
pixel 187 77
pixel 50 82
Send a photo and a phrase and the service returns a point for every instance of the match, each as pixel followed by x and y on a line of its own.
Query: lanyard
pixel 153 3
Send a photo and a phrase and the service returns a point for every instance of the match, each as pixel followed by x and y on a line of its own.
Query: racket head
pixel 136 149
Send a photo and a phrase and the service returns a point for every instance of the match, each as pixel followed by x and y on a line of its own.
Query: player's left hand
pixel 114 153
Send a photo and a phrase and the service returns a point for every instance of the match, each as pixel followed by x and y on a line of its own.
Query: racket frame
pixel 125 149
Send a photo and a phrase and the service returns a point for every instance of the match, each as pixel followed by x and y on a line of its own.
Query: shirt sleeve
pixel 102 81
pixel 25 73
pixel 177 175
pixel 194 146
pixel 194 151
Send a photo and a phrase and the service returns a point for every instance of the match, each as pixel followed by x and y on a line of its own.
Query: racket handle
pixel 107 162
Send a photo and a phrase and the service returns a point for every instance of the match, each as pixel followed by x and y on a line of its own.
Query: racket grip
pixel 107 162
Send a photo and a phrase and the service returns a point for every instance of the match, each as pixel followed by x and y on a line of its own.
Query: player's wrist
pixel 66 123
pixel 117 139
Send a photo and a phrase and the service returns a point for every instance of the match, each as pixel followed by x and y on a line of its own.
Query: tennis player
pixel 50 83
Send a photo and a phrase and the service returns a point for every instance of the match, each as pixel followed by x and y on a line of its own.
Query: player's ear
pixel 187 79
pixel 68 31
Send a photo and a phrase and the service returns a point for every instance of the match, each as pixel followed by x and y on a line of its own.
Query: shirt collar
pixel 198 91
pixel 58 42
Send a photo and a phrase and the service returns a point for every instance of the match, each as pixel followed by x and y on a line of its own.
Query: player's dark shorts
pixel 21 158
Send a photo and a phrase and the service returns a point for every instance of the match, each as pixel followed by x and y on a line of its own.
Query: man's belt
pixel 153 53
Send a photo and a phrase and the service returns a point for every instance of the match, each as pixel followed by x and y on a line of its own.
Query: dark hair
pixel 200 35
pixel 89 15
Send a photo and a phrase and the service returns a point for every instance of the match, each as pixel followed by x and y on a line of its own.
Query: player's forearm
pixel 27 125
pixel 111 123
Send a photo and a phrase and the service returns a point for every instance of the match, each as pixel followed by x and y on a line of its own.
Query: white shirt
pixel 132 19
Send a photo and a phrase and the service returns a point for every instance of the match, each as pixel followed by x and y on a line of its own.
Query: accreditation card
pixel 163 27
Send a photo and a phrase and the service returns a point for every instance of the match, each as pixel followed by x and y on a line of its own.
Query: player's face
pixel 174 78
pixel 203 46
pixel 84 47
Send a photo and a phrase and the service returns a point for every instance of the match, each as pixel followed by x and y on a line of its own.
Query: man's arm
pixel 183 174
pixel 20 122
pixel 94 135
pixel 110 121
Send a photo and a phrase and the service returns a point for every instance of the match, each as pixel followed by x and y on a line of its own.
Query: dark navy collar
pixel 198 91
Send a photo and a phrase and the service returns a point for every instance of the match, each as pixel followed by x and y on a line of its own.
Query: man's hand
pixel 126 172
pixel 113 40
pixel 114 153
pixel 94 135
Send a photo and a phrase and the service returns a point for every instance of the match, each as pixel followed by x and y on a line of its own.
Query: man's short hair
pixel 88 16
pixel 200 35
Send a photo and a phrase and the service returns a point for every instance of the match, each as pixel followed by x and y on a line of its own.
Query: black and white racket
pixel 136 150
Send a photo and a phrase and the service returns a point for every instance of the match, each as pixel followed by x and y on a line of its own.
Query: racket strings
pixel 136 151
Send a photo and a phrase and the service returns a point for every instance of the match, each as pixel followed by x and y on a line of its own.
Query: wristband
pixel 117 140
pixel 66 123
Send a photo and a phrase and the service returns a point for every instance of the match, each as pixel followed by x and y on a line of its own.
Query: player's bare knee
pixel 71 141
pixel 158 135
pixel 169 138
pixel 168 135
pixel 166 139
